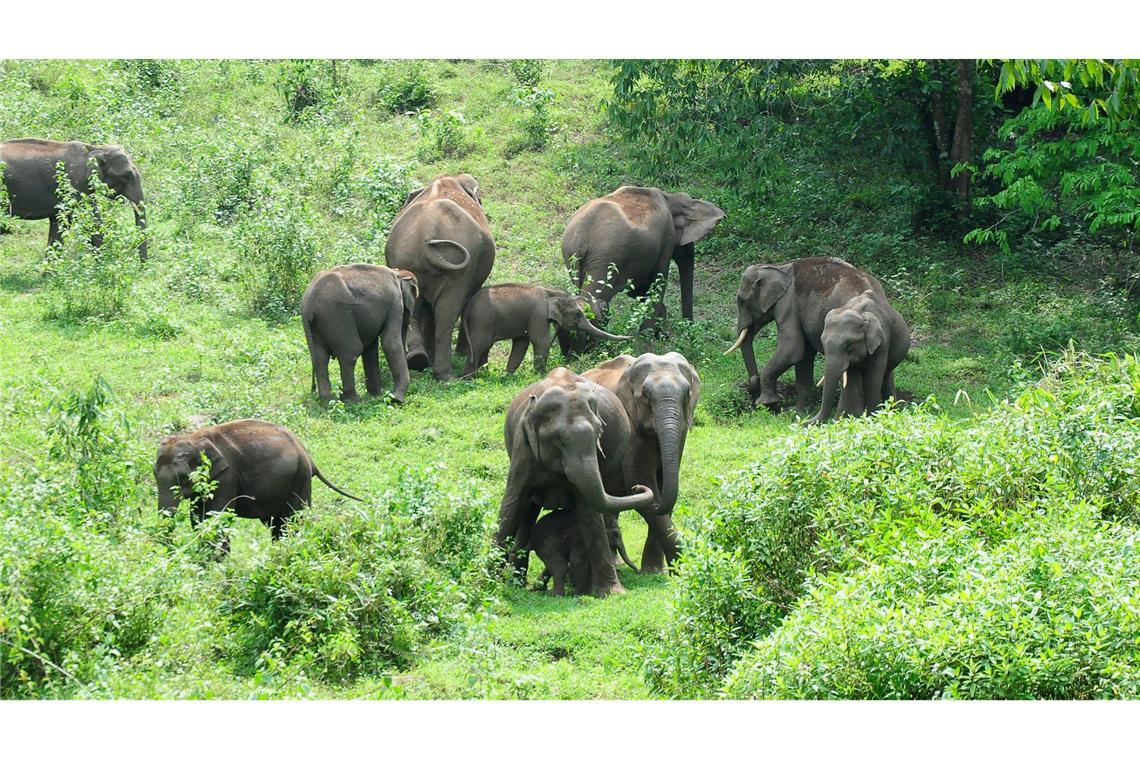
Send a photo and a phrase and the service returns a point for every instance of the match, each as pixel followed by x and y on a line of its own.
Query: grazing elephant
pixel 566 437
pixel 797 295
pixel 659 394
pixel 261 470
pixel 351 311
pixel 30 176
pixel 522 314
pixel 442 236
pixel 636 231
pixel 558 543
pixel 866 339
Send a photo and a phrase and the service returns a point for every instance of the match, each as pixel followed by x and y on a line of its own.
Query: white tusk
pixel 739 342
pixel 845 379
pixel 600 448
pixel 821 379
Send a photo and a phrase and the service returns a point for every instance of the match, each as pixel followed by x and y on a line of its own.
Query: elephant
pixel 558 543
pixel 521 313
pixel 442 236
pixel 659 394
pixel 351 311
pixel 30 177
pixel 866 339
pixel 636 232
pixel 260 468
pixel 797 295
pixel 566 437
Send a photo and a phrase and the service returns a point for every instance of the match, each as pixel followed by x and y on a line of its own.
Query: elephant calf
pixel 348 312
pixel 557 541
pixel 522 314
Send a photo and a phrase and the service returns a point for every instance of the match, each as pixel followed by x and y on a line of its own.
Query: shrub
pixel 527 71
pixel 409 88
pixel 442 135
pixel 536 126
pixel 307 87
pixel 385 188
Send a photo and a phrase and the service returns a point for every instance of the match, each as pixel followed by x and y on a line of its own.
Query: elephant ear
pixel 692 217
pixel 872 332
pixel 112 162
pixel 410 289
pixel 694 391
pixel 470 186
pixel 218 461
pixel 560 309
pixel 771 287
pixel 413 195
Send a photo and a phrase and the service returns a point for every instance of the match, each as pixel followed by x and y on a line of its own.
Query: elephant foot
pixel 444 377
pixel 651 569
pixel 605 591
pixel 353 399
pixel 397 399
pixel 771 403
pixel 418 361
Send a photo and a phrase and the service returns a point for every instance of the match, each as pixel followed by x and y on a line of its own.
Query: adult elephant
pixel 442 236
pixel 659 394
pixel 30 177
pixel 797 296
pixel 627 238
pixel 566 437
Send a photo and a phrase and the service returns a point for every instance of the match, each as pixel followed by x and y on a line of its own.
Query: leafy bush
pixel 536 126
pixel 306 87
pixel 527 71
pixel 385 187
pixel 442 135
pixel 409 88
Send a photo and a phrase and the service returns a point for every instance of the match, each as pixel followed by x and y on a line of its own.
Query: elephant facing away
pixel 352 311
pixel 442 236
pixel 557 542
pixel 566 437
pixel 864 339
pixel 797 296
pixel 261 469
pixel 659 394
pixel 30 177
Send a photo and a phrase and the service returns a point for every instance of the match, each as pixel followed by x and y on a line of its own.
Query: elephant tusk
pixel 844 378
pixel 739 341
pixel 821 379
pixel 600 448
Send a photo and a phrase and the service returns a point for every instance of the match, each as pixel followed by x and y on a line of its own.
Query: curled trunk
pixel 584 475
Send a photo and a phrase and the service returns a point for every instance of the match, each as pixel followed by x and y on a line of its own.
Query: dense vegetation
pixel 965 547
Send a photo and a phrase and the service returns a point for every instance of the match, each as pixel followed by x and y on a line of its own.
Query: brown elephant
pixel 261 470
pixel 351 311
pixel 442 236
pixel 566 437
pixel 30 177
pixel 659 394
pixel 558 543
pixel 797 295
pixel 522 314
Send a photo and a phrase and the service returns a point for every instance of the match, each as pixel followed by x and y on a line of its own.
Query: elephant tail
pixel 437 259
pixel 333 487
pixel 625 557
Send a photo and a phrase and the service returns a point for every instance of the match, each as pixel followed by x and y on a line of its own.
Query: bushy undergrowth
pixel 826 503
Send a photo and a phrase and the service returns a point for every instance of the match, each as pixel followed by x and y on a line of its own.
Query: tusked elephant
pixel 557 542
pixel 566 437
pixel 351 311
pixel 864 339
pixel 261 470
pixel 659 394
pixel 797 296
pixel 635 232
pixel 442 236
pixel 30 177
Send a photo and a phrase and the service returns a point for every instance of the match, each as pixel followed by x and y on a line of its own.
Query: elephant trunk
pixel 440 261
pixel 598 333
pixel 584 475
pixel 835 374
pixel 671 427
pixel 167 502
pixel 140 222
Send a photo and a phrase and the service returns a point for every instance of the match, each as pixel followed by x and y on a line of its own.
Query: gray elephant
pixel 659 394
pixel 635 232
pixel 566 437
pixel 352 311
pixel 558 543
pixel 261 471
pixel 522 314
pixel 30 177
pixel 864 339
pixel 443 237
pixel 797 296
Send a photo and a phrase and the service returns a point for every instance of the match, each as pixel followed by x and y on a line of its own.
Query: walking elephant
pixel 557 542
pixel 30 177
pixel 566 437
pixel 261 471
pixel 442 236
pixel 797 296
pixel 866 339
pixel 351 311
pixel 659 394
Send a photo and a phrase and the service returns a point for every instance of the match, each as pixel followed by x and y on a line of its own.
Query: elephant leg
pixel 655 322
pixel 805 380
pixel 97 238
pixel 392 341
pixel 789 351
pixel 320 358
pixel 661 543
pixel 603 572
pixel 873 377
pixel 566 343
pixel 522 539
pixel 851 397
pixel 371 361
pixel 540 340
pixel 347 364
pixel 889 385
pixel 579 567
pixel 518 352
pixel 53 231
pixel 684 259
pixel 556 565
pixel 446 315
pixel 277 526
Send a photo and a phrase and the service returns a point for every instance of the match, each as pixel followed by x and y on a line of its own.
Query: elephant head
pixel 692 218
pixel 660 394
pixel 468 183
pixel 569 313
pixel 851 334
pixel 178 456
pixel 763 293
pixel 118 172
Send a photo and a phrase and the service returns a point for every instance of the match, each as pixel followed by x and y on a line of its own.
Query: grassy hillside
pixel 248 194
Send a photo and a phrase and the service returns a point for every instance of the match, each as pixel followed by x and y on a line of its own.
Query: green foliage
pixel 150 74
pixel 408 88
pixel 536 126
pixel 385 188
pixel 307 87
pixel 527 71
pixel 442 135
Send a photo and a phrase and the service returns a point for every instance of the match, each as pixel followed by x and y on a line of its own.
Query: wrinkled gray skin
pixel 659 394
pixel 797 296
pixel 442 236
pixel 352 311
pixel 261 469
pixel 863 342
pixel 29 174
pixel 559 545
pixel 566 437
pixel 637 231
pixel 522 314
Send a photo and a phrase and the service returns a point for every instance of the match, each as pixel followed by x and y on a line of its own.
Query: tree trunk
pixel 940 127
pixel 961 150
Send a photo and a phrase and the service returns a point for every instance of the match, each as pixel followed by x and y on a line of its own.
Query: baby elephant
pixel 352 310
pixel 521 313
pixel 556 541
pixel 261 471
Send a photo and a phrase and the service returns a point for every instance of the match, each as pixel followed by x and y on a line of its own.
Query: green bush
pixel 385 188
pixel 408 89
pixel 536 125
pixel 527 71
pixel 307 87
pixel 442 135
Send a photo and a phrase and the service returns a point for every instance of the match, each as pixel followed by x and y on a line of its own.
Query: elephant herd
pixel 584 446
